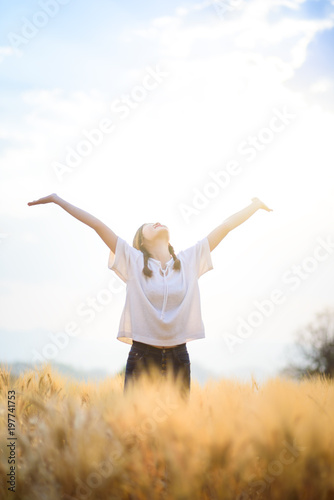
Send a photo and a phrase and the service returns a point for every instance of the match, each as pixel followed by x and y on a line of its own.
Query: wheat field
pixel 229 440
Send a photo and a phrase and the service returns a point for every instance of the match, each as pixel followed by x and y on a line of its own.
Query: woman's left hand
pixel 261 204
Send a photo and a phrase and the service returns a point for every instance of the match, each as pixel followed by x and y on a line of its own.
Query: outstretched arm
pixel 216 236
pixel 107 235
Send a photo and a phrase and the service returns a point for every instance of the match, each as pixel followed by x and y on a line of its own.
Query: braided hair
pixel 138 244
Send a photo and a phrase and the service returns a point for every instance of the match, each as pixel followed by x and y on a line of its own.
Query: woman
pixel 162 308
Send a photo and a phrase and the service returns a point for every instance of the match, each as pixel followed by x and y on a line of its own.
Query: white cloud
pixel 321 86
pixel 250 30
pixel 308 31
pixel 291 4
pixel 49 118
pixel 181 11
pixel 7 52
pixel 165 21
pixel 75 106
pixel 202 5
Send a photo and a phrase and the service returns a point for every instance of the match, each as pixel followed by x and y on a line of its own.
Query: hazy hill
pixel 198 372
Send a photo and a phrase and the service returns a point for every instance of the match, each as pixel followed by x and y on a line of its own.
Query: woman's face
pixel 154 231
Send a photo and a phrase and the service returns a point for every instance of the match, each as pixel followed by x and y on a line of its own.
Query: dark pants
pixel 173 360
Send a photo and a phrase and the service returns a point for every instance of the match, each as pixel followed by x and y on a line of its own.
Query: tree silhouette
pixel 315 348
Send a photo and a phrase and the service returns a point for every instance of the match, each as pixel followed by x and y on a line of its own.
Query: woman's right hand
pixel 261 204
pixel 107 235
pixel 51 198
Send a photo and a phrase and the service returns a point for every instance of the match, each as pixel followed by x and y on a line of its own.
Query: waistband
pixel 151 348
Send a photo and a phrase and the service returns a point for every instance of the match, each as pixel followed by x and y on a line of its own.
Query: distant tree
pixel 314 348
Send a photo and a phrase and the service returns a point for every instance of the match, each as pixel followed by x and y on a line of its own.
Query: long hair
pixel 139 245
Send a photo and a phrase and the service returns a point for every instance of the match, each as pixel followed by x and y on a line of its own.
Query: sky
pixel 178 112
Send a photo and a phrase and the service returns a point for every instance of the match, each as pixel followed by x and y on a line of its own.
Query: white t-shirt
pixel 165 309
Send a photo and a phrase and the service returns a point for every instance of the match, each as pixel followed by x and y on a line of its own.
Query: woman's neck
pixel 160 252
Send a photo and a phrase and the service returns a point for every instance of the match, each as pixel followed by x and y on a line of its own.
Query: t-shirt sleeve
pixel 122 260
pixel 204 262
pixel 198 257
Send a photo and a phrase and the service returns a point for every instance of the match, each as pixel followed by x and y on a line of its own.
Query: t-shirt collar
pixel 159 263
